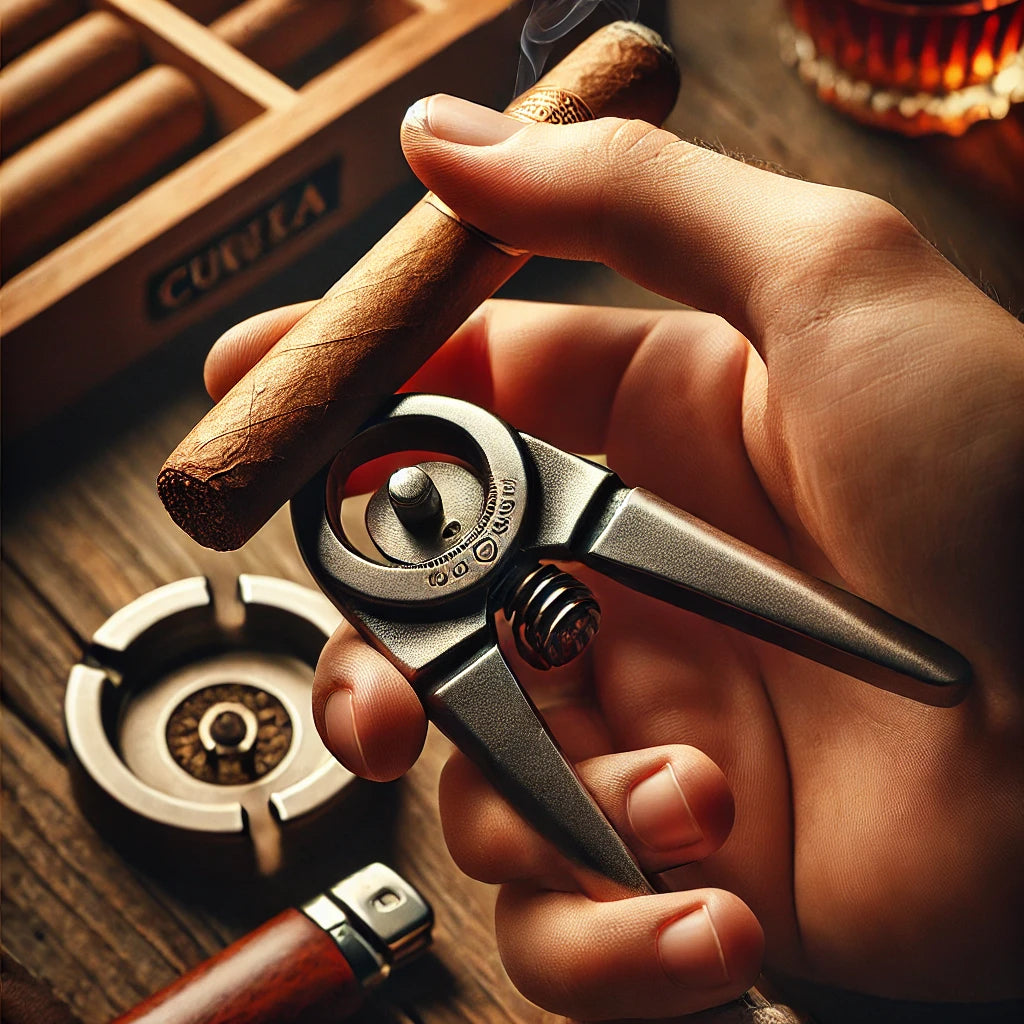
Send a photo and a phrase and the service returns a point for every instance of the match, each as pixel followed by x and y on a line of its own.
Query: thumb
pixel 756 247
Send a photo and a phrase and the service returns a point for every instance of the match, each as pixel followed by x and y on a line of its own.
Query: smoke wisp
pixel 548 21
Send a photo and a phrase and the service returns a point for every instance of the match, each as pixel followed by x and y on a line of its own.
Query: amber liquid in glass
pixel 928 66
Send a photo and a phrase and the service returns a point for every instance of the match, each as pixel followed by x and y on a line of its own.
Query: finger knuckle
pixel 840 243
pixel 864 222
pixel 628 154
pixel 719 343
pixel 635 141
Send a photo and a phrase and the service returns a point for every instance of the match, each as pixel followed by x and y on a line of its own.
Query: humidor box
pixel 280 160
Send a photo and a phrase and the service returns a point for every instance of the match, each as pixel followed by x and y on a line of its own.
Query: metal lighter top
pixel 376 918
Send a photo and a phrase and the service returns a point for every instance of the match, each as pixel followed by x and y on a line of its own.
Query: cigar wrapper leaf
pixel 384 318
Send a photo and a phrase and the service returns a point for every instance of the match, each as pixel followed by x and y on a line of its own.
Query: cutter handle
pixel 485 712
pixel 660 550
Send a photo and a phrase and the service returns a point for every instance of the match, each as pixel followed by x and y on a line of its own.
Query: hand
pixel 852 405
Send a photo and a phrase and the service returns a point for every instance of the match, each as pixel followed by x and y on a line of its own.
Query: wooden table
pixel 84 534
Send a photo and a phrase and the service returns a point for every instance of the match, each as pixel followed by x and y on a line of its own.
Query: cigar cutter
pixel 474 531
pixel 192 716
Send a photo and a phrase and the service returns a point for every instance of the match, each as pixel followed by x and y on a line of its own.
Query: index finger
pixel 552 370
pixel 770 253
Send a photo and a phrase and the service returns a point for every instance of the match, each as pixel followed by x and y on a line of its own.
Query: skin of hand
pixel 849 403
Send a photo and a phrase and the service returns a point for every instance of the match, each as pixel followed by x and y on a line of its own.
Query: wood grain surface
pixel 84 533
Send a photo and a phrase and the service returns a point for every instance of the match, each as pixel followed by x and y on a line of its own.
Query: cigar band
pixel 442 207
pixel 551 105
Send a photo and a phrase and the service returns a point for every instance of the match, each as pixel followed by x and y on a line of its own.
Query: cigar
pixel 64 74
pixel 384 318
pixel 23 23
pixel 57 183
pixel 313 964
pixel 80 169
pixel 278 33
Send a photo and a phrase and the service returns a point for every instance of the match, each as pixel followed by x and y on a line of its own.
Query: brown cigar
pixel 91 161
pixel 383 319
pixel 277 33
pixel 79 169
pixel 64 74
pixel 23 23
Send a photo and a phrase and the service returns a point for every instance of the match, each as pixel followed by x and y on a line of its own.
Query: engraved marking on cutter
pixel 486 550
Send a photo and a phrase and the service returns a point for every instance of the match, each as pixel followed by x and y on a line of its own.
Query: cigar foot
pixel 189 500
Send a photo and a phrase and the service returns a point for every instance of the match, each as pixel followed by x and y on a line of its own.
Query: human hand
pixel 853 408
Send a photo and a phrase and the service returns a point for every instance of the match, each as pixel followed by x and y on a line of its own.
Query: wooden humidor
pixel 283 159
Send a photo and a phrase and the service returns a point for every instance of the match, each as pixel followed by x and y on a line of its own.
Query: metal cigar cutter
pixel 472 532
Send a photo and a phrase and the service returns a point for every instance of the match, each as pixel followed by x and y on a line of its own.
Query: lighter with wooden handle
pixel 384 318
pixel 314 964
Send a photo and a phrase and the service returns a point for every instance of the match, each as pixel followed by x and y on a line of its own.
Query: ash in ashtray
pixel 229 734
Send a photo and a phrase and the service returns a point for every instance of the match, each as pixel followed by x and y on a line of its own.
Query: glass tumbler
pixel 920 67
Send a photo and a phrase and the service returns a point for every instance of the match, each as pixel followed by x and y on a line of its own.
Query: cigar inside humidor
pixel 384 318
pixel 87 124
pixel 161 159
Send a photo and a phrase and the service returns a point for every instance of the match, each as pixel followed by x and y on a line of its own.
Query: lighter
pixel 305 965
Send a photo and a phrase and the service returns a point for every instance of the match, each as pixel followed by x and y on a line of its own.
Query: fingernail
pixel 462 122
pixel 690 952
pixel 342 738
pixel 659 814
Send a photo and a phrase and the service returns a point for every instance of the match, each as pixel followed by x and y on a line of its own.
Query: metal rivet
pixel 414 497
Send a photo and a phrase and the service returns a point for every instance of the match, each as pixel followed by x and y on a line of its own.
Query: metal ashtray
pixel 193 715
